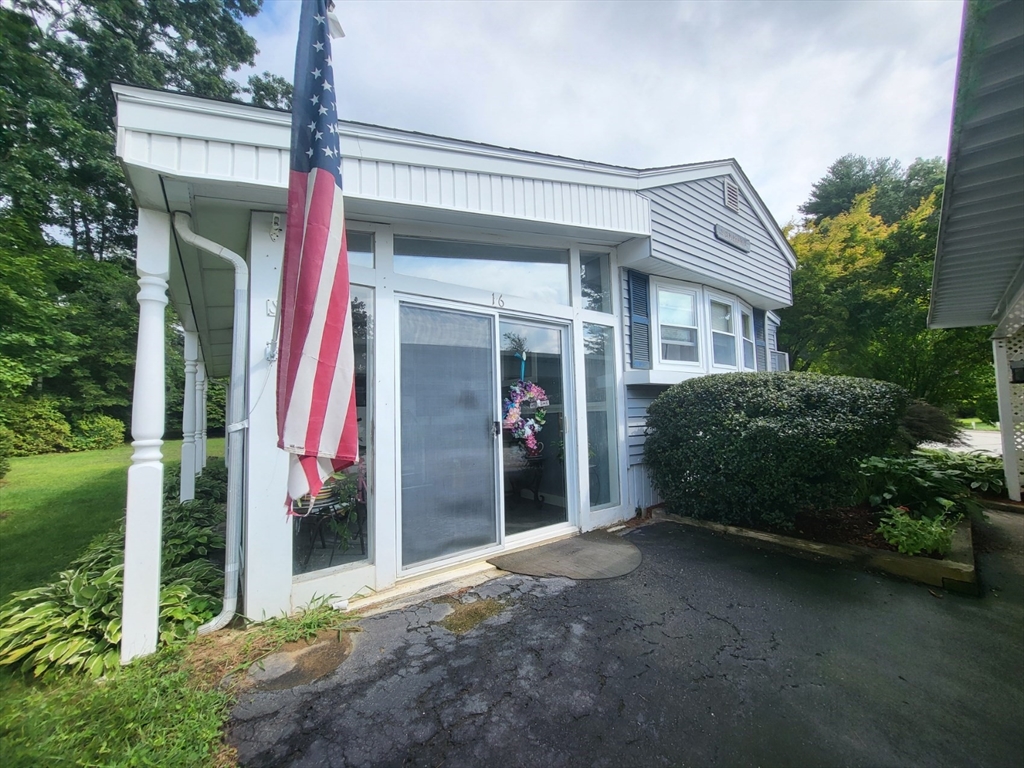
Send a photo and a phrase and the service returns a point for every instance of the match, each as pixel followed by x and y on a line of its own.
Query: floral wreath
pixel 525 429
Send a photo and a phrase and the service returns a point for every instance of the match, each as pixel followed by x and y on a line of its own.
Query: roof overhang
pixel 979 262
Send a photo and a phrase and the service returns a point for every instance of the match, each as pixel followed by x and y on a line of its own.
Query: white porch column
pixel 200 416
pixel 188 419
pixel 141 610
pixel 1007 426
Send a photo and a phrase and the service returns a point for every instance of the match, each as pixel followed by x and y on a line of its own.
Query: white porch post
pixel 188 419
pixel 1011 467
pixel 141 611
pixel 200 416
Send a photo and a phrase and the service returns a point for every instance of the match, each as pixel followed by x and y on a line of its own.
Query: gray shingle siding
pixel 683 218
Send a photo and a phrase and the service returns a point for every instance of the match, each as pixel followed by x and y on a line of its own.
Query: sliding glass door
pixel 449 438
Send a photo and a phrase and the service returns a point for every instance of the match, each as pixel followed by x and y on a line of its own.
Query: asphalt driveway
pixel 711 653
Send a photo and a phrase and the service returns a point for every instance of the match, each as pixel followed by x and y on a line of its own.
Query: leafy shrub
pixel 758 447
pixel 979 471
pixel 37 426
pixel 6 449
pixel 913 535
pixel 924 423
pixel 74 623
pixel 916 483
pixel 96 432
pixel 212 485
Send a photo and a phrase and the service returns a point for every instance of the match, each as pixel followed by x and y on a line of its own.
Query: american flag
pixel 316 400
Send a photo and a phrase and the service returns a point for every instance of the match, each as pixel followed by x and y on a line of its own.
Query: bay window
pixel 723 335
pixel 678 325
pixel 747 327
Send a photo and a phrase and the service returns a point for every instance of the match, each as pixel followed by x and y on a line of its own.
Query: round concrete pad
pixel 594 555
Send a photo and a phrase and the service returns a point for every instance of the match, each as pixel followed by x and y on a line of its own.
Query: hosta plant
pixel 73 624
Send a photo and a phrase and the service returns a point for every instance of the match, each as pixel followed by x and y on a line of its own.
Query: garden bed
pixel 954 572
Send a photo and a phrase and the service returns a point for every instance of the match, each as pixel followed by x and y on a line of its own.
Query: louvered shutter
pixel 639 320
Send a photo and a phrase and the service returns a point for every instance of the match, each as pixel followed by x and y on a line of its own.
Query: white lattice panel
pixel 1015 351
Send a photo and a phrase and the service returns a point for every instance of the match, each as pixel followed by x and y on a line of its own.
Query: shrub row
pixel 36 425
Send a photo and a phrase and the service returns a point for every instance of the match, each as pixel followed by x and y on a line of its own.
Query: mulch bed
pixel 845 525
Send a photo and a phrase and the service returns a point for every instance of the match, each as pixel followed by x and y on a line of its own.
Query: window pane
pixel 721 317
pixel 748 326
pixel 677 309
pixel 683 335
pixel 748 355
pixel 602 450
pixel 724 348
pixel 532 273
pixel 596 281
pixel 360 249
pixel 335 531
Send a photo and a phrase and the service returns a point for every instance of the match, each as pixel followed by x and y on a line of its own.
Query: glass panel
pixel 533 426
pixel 721 317
pixel 532 273
pixel 677 309
pixel 602 445
pixel 747 323
pixel 724 348
pixel 449 500
pixel 360 249
pixel 679 344
pixel 335 529
pixel 596 281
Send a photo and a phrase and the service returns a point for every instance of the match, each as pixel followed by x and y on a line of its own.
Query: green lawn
pixel 52 506
pixel 977 424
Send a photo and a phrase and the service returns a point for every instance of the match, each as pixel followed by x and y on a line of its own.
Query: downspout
pixel 238 425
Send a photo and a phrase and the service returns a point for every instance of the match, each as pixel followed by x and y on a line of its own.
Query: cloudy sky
pixel 784 87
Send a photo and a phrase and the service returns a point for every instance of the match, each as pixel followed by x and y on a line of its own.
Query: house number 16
pixel 497 300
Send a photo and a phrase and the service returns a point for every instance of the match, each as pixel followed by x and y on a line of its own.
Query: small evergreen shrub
pixel 756 448
pixel 96 432
pixel 37 426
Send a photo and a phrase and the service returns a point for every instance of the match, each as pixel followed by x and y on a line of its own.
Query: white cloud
pixel 784 87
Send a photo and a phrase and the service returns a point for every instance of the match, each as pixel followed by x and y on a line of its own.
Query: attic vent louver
pixel 732 196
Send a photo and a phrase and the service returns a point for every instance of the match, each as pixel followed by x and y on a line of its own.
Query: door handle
pixel 496 429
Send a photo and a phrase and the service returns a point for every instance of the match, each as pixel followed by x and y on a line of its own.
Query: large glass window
pixel 677 320
pixel 723 337
pixel 602 445
pixel 596 281
pixel 749 361
pixel 531 273
pixel 333 529
pixel 360 249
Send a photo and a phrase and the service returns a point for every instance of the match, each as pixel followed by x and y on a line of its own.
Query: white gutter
pixel 238 424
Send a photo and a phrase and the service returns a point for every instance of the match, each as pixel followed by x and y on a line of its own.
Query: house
pixel 979 263
pixel 473 267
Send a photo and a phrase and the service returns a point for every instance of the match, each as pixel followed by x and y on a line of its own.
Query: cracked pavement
pixel 710 653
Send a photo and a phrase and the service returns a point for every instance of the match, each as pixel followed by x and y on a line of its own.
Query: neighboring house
pixel 979 263
pixel 471 266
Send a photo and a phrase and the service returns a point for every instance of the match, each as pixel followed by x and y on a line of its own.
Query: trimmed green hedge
pixel 749 448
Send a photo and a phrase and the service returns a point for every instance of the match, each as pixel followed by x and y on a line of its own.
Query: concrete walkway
pixel 709 654
pixel 984 440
